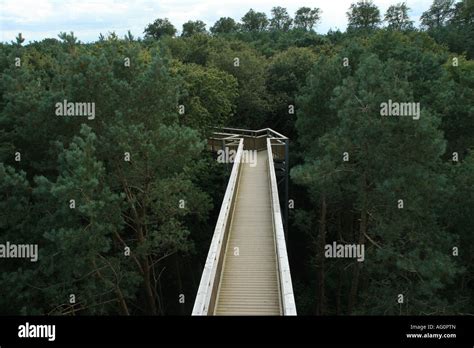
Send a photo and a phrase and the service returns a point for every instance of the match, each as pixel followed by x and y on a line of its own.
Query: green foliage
pixel 280 19
pixel 77 255
pixel 20 39
pixel 455 28
pixel 463 13
pixel 159 28
pixel 438 14
pixel 224 25
pixel 117 203
pixel 411 247
pixel 249 68
pixel 455 94
pixel 397 17
pixel 363 15
pixel 191 28
pixel 306 18
pixel 208 96
pixel 456 215
pixel 325 75
pixel 254 21
pixel 287 73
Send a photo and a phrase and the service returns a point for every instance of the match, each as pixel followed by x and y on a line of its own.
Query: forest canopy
pixel 123 205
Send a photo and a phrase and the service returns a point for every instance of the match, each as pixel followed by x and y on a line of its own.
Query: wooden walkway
pixel 249 284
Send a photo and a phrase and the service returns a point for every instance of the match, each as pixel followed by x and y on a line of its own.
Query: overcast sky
pixel 39 19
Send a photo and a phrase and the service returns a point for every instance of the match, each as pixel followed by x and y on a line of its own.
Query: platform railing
pixel 284 274
pixel 206 296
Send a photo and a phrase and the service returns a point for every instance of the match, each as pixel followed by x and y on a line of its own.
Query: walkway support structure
pixel 247 270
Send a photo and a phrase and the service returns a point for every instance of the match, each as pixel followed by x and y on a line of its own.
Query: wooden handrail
pixel 205 298
pixel 286 285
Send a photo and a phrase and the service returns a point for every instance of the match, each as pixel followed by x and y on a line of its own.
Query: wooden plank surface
pixel 249 283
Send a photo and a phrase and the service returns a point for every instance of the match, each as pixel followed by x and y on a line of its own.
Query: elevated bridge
pixel 247 270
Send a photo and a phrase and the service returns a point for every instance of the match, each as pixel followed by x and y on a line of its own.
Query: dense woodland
pixel 157 99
